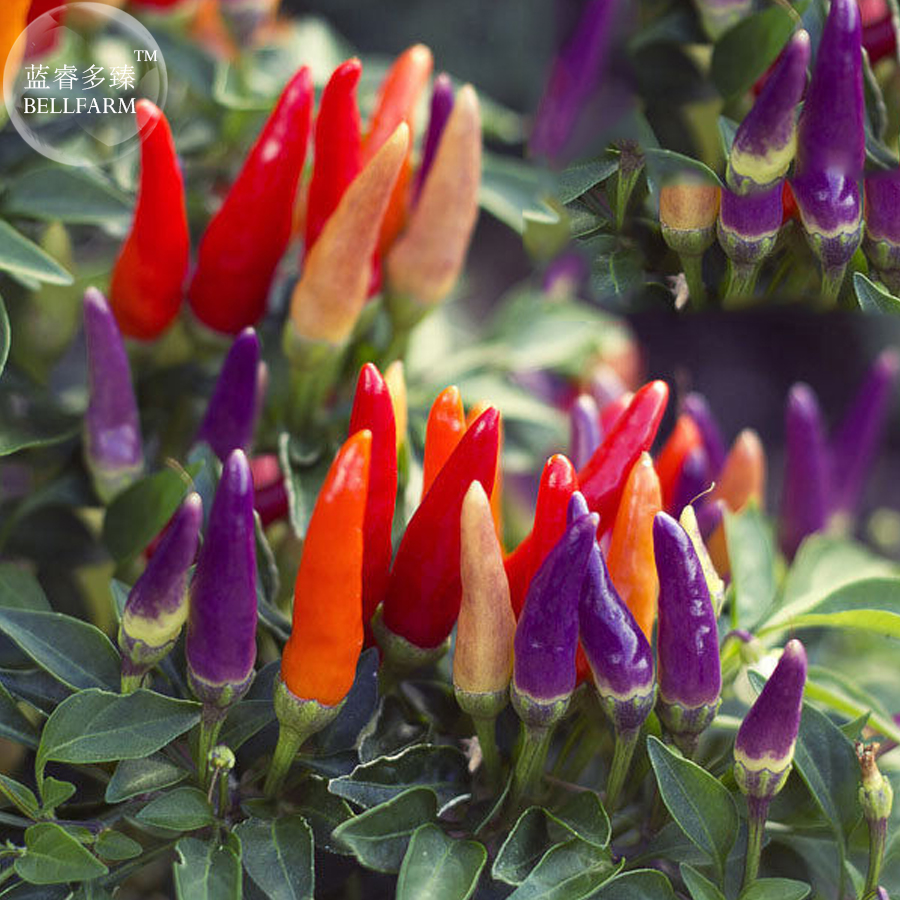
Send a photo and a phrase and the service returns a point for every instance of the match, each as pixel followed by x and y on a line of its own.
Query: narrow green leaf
pixel 576 180
pixel 570 871
pixel 865 708
pixel 19 589
pixel 873 298
pixel 751 552
pixel 53 856
pixel 141 776
pixel 117 846
pixel 5 336
pixel 14 726
pixel 20 796
pixel 667 166
pixel 378 837
pixel 97 726
pixel 182 809
pixel 698 802
pixel 439 867
pixel 206 871
pixel 20 256
pixel 775 889
pixel 74 652
pixel 701 888
pixel 246 719
pixel 641 884
pixel 278 856
pixel 324 811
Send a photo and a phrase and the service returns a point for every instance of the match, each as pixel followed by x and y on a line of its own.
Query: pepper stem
pixel 533 749
pixel 131 682
pixel 618 769
pixel 692 264
pixel 290 740
pixel 756 825
pixel 877 841
pixel 741 282
pixel 485 728
pixel 210 725
pixel 832 279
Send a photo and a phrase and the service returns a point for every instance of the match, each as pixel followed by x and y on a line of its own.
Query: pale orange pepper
pixel 445 428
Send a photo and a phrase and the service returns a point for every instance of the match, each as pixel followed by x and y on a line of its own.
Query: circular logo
pixel 72 80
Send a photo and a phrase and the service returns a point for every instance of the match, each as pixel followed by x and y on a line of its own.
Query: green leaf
pixel 206 871
pixel 701 888
pixel 246 719
pixel 438 867
pixel 751 551
pixel 324 812
pixel 378 837
pixel 666 166
pixel 97 726
pixel 14 726
pixel 508 187
pixel 19 589
pixel 698 802
pixel 141 511
pixel 183 809
pixel 775 889
pixel 74 652
pixel 66 194
pixel 5 336
pixel 744 52
pixel 848 699
pixel 641 884
pixel 827 763
pixel 443 769
pixel 874 299
pixel 20 796
pixel 570 871
pixel 54 793
pixel 53 856
pixel 20 256
pixel 141 776
pixel 278 856
pixel 571 183
pixel 117 846
pixel 34 420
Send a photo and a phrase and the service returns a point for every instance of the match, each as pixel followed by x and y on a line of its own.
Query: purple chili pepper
pixel 882 240
pixel 577 71
pixel 112 429
pixel 693 480
pixel 231 413
pixel 710 516
pixel 584 421
pixel 577 508
pixel 547 631
pixel 696 406
pixel 157 604
pixel 805 498
pixel 720 15
pixel 441 107
pixel 690 674
pixel 766 141
pixel 857 438
pixel 221 633
pixel 764 746
pixel 565 275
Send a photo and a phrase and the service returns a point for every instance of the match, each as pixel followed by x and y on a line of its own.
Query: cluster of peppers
pixel 825 144
pixel 370 224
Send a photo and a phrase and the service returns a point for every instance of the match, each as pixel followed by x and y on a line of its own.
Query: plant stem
pixel 877 840
pixel 485 728
pixel 693 273
pixel 756 825
pixel 618 769
pixel 210 725
pixel 741 282
pixel 530 764
pixel 130 683
pixel 289 742
pixel 832 279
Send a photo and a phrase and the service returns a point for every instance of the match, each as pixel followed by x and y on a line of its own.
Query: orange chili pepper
pixel 670 461
pixel 397 99
pixel 395 380
pixel 631 562
pixel 319 659
pixel 497 490
pixel 446 426
pixel 12 24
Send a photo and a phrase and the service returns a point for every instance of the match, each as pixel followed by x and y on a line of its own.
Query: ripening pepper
pixel 693 481
pixel 669 462
pixel 547 632
pixel 15 18
pixel 157 604
pixel 472 416
pixel 858 435
pixel 319 659
pixel 145 289
pixel 743 475
pixel 557 484
pixel 441 106
pixel 630 557
pixel 483 655
pixel 395 380
pixel 687 643
pixel 602 480
pixel 577 72
pixel 112 430
pixel 333 286
pixel 696 406
pixel 687 213
pixel 270 498
pixel 397 98
pixel 806 492
pixel 766 141
pixel 425 262
pixel 373 410
pixel 444 430
pixel 423 595
pixel 764 746
pixel 718 16
pixel 688 521
pixel 584 429
pixel 338 151
pixel 221 635
pixel 882 239
pixel 231 413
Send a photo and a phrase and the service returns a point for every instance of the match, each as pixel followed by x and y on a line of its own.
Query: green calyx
pixel 535 712
pixel 761 784
pixel 400 655
pixel 686 724
pixel 482 704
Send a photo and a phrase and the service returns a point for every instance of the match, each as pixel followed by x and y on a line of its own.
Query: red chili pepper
pixel 146 287
pixel 558 483
pixel 685 437
pixel 424 591
pixel 246 238
pixel 788 203
pixel 610 413
pixel 41 44
pixel 270 497
pixel 602 480
pixel 497 493
pixel 373 410
pixel 445 428
pixel 338 158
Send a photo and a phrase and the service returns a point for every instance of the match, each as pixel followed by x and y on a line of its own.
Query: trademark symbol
pixel 145 55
